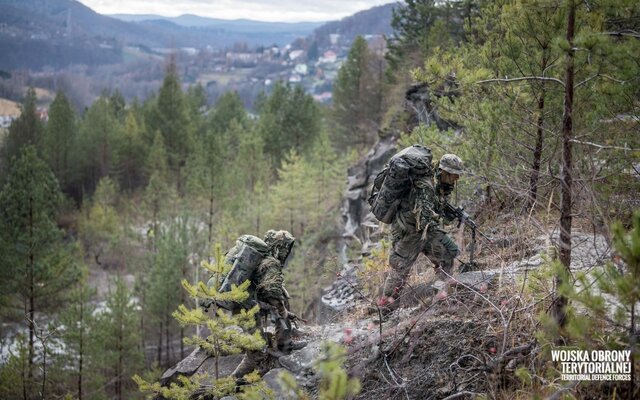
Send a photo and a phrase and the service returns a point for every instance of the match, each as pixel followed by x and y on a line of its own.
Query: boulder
pixel 300 361
pixel 272 380
pixel 188 366
pixel 199 361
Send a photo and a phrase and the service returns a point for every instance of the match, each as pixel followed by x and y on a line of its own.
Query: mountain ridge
pixel 239 24
pixel 32 32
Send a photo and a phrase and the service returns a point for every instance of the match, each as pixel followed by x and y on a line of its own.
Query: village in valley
pixel 133 63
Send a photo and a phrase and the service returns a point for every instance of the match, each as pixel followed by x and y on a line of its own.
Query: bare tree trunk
pixel 143 343
pixel 81 347
pixel 44 365
pixel 181 343
pixel 567 161
pixel 167 341
pixel 160 345
pixel 31 300
pixel 120 367
pixel 537 153
pixel 24 381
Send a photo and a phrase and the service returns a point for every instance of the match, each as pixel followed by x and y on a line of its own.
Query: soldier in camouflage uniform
pixel 269 282
pixel 416 226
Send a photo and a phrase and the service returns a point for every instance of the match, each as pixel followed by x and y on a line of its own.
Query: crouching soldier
pixel 268 282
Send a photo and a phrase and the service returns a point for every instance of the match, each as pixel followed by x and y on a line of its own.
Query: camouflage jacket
pixel 422 208
pixel 269 280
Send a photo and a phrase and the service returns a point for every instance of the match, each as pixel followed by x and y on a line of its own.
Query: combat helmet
pixel 452 164
pixel 280 243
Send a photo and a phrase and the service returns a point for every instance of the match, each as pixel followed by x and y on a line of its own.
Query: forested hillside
pixel 110 218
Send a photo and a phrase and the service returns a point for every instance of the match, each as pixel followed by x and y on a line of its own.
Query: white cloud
pixel 261 10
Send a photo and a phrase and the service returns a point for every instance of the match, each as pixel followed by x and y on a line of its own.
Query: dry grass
pixel 224 78
pixel 44 95
pixel 471 340
pixel 8 107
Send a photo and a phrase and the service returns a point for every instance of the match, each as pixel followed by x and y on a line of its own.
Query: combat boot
pixel 285 343
pixel 290 345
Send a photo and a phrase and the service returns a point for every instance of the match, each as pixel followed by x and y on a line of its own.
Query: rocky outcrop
pixel 199 361
pixel 359 223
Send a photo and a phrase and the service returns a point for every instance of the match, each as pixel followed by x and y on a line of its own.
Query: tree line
pixel 104 213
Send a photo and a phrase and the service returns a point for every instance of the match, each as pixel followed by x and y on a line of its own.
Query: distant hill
pixel 56 33
pixel 375 21
pixel 238 25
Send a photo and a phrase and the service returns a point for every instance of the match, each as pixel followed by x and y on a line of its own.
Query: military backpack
pixel 395 180
pixel 244 257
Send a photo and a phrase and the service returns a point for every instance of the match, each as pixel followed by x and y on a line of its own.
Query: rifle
pixel 463 218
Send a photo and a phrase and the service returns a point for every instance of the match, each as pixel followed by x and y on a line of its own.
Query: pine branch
pixel 604 147
pixel 626 32
pixel 523 78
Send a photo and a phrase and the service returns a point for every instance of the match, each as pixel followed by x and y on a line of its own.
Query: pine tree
pixel 119 336
pixel 38 267
pixel 229 107
pixel 100 225
pixel 118 105
pixel 13 373
pixel 223 339
pixel 601 308
pixel 196 99
pixel 255 174
pixel 80 361
pixel 172 120
pixel 211 182
pixel 292 198
pixel 413 23
pixel 59 138
pixel 289 119
pixel 25 130
pixel 158 195
pixel 357 98
pixel 163 294
pixel 96 141
pixel 130 154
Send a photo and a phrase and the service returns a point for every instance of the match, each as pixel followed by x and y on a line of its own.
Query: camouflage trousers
pixel 406 246
pixel 255 359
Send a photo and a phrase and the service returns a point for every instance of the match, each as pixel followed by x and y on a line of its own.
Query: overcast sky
pixel 261 10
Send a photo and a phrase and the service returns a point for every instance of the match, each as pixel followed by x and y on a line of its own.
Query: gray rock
pixel 199 361
pixel 188 366
pixel 341 294
pixel 301 360
pixel 472 279
pixel 226 365
pixel 527 263
pixel 272 379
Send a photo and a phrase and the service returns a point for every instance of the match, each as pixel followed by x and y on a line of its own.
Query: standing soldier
pixel 415 226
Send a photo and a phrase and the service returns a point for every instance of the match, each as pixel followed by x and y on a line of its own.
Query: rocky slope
pixel 453 339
